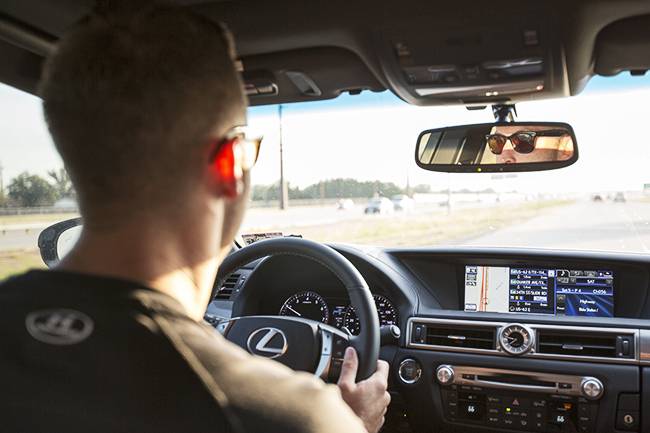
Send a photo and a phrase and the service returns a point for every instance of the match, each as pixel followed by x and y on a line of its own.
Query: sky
pixel 372 137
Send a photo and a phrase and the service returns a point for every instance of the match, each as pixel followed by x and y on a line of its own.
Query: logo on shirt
pixel 267 342
pixel 59 327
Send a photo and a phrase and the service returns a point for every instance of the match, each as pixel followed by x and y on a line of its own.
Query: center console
pixel 526 401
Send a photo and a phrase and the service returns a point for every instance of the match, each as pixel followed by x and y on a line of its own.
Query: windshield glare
pixel 350 176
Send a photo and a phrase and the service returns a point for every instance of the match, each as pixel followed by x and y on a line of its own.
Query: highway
pixel 584 225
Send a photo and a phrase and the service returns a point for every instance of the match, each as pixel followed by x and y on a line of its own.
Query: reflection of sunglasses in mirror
pixel 522 141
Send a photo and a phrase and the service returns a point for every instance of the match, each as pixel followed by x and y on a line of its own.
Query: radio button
pixel 539 415
pixel 592 388
pixel 559 418
pixel 471 410
pixel 450 395
pixel 445 375
pixel 539 403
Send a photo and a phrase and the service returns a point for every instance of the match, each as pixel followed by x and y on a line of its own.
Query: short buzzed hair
pixel 131 95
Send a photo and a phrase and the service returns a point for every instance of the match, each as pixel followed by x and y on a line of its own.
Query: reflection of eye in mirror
pixel 497 147
pixel 67 240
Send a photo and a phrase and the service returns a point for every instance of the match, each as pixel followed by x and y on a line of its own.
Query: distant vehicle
pixel 619 197
pixel 345 204
pixel 403 202
pixel 596 197
pixel 379 205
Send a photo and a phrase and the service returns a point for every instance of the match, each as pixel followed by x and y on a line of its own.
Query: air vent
pixel 587 344
pixel 228 286
pixel 461 337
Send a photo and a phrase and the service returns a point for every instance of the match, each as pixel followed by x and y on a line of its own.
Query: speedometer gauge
pixel 385 310
pixel 308 305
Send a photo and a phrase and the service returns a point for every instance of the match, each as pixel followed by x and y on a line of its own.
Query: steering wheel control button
pixel 592 388
pixel 409 371
pixel 338 346
pixel 516 339
pixel 445 375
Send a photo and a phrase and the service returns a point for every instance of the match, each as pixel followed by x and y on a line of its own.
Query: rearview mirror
pixel 58 239
pixel 497 147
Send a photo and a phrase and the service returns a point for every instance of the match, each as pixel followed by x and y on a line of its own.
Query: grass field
pixel 395 230
pixel 426 229
pixel 15 262
pixel 35 218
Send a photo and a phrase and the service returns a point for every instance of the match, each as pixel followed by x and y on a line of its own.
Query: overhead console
pixel 479 62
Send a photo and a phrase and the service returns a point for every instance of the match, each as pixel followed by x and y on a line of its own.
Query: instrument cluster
pixel 337 312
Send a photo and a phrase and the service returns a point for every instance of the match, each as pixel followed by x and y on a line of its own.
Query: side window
pixel 35 190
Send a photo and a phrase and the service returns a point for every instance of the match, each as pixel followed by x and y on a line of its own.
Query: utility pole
pixel 2 185
pixel 284 193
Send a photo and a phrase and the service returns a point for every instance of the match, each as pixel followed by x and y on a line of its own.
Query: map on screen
pixel 566 292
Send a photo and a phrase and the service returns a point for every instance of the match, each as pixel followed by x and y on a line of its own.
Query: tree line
pixel 30 190
pixel 335 188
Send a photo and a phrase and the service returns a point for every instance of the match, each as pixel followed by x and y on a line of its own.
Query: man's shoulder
pixel 264 394
pixel 21 285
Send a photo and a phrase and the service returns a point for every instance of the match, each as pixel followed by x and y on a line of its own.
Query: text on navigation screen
pixel 539 291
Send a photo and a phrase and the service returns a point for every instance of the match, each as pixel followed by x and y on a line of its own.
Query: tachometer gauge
pixel 385 310
pixel 308 305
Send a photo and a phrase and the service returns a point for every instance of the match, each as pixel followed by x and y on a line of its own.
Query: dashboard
pixel 492 340
pixel 336 312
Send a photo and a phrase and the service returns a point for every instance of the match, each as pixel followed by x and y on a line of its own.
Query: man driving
pixel 147 110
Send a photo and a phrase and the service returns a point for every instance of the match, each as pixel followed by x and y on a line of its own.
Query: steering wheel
pixel 299 343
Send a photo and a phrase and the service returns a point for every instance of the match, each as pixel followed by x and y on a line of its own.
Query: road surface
pixel 584 225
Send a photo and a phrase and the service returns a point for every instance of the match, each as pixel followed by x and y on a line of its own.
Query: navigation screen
pixel 539 291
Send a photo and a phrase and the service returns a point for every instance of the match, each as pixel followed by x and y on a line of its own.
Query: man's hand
pixel 369 398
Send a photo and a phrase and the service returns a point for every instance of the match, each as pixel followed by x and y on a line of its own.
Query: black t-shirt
pixel 82 353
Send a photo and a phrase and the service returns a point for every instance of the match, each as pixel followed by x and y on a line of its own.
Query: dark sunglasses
pixel 522 141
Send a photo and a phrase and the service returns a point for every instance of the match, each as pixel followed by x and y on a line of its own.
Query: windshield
pixel 350 176
pixel 339 158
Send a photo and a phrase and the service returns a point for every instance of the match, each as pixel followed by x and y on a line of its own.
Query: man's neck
pixel 172 255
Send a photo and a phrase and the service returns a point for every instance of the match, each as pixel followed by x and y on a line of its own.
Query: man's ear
pixel 223 176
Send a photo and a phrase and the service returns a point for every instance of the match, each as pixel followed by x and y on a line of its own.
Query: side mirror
pixel 58 239
pixel 497 147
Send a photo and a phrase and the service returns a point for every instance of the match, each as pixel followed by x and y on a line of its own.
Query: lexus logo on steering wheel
pixel 267 342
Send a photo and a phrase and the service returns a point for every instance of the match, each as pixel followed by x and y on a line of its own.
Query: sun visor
pixel 624 46
pixel 305 75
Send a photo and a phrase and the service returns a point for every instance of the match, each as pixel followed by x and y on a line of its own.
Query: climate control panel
pixel 519 400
